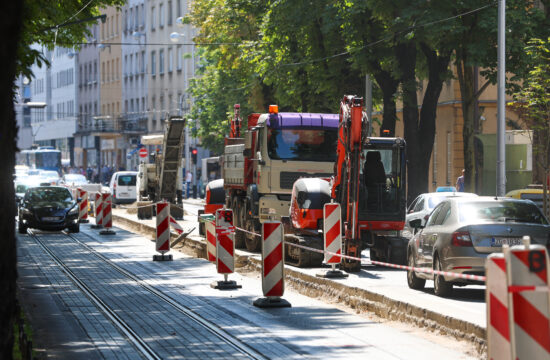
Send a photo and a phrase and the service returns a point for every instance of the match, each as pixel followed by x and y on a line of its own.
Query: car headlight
pixel 73 211
pixel 26 211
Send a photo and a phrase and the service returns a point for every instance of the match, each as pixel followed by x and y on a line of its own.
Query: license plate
pixel 498 242
pixel 51 218
pixel 123 194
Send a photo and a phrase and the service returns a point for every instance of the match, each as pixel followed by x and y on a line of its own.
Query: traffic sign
pixel 143 152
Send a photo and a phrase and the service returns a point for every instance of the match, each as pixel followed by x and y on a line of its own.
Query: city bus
pixel 42 158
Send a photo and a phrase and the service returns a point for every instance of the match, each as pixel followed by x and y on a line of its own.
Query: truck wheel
pixel 202 226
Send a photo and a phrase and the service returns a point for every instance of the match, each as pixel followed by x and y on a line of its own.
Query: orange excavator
pixel 368 183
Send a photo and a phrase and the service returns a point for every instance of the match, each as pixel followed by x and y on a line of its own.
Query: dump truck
pixel 261 165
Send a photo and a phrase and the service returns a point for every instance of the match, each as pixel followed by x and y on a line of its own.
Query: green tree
pixel 532 103
pixel 24 23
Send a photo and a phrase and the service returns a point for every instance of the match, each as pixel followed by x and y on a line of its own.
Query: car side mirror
pixel 416 224
pixel 426 217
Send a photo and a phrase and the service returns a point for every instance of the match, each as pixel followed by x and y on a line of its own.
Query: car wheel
pixel 413 281
pixel 75 228
pixel 22 228
pixel 442 287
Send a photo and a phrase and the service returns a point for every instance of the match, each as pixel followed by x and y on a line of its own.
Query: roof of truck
pixel 294 120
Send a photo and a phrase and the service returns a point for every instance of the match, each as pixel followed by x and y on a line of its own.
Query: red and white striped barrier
pixel 225 249
pixel 527 270
pixel 332 232
pixel 177 227
pixel 273 273
pixel 107 215
pixel 162 238
pixel 82 206
pixel 210 241
pixel 496 296
pixel 98 210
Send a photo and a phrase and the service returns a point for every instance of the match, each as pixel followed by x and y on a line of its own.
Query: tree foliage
pixel 532 103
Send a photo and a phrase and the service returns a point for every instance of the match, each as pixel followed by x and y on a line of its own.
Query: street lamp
pixel 179 22
pixel 175 36
pixel 104 46
pixel 137 35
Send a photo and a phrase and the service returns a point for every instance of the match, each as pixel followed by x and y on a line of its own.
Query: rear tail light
pixel 207 195
pixel 461 238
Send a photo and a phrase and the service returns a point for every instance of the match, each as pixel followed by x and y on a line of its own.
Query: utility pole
pixel 368 101
pixel 501 101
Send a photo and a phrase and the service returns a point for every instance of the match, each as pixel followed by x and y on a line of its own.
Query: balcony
pixel 130 124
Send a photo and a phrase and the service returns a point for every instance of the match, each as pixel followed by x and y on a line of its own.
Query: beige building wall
pixel 447 159
pixel 110 72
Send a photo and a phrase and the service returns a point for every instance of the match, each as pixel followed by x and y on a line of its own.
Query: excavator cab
pixel 382 191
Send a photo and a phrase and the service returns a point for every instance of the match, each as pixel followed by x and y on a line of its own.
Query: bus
pixel 42 158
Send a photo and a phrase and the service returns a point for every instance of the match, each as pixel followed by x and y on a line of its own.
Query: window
pixel 153 63
pixel 142 15
pixel 116 25
pixel 130 21
pixel 131 65
pixel 126 106
pixel 169 11
pixel 126 65
pixel 433 216
pixel 161 15
pixel 126 20
pixel 117 69
pixel 178 8
pixel 179 58
pixel 170 60
pixel 95 70
pixel 153 18
pixel 161 61
pixel 143 62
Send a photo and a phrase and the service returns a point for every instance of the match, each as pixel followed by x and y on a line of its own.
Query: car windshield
pixel 501 211
pixel 127 180
pixel 42 196
pixel 302 144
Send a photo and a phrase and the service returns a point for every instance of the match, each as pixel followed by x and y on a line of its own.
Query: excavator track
pixel 300 257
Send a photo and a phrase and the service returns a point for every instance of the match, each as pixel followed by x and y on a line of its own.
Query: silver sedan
pixel 461 232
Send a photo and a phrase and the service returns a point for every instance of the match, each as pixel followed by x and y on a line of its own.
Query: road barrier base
pixel 162 257
pixel 225 285
pixel 95 226
pixel 271 302
pixel 107 232
pixel 332 274
pixel 84 221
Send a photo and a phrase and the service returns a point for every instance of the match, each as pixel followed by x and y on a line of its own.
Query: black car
pixel 48 208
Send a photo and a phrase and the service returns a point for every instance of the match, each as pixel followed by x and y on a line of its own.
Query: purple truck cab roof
pixel 298 120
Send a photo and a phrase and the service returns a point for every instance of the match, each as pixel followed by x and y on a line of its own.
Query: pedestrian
pixel 188 179
pixel 460 182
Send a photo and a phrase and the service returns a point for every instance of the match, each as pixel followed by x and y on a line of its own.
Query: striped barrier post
pixel 210 241
pixel 107 215
pixel 496 298
pixel 174 225
pixel 273 273
pixel 98 208
pixel 529 299
pixel 225 249
pixel 83 206
pixel 162 244
pixel 332 236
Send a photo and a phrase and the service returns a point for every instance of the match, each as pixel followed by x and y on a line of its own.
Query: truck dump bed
pixel 172 154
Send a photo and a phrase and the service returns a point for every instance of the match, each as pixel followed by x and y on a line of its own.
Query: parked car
pixel 48 208
pixel 123 187
pixel 423 205
pixel 462 231
pixel 532 192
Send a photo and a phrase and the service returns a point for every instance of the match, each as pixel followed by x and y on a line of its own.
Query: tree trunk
pixel 466 81
pixel 406 57
pixel 388 85
pixel 11 13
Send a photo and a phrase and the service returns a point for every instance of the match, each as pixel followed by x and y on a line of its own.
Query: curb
pixel 360 300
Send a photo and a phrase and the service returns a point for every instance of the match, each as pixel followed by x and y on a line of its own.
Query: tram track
pixel 123 326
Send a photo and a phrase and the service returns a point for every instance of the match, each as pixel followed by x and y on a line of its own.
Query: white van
pixel 123 187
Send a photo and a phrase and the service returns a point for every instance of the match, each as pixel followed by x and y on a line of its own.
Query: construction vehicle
pixel 371 193
pixel 260 167
pixel 162 178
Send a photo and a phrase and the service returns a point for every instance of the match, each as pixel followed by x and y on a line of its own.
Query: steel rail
pixel 138 342
pixel 213 328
